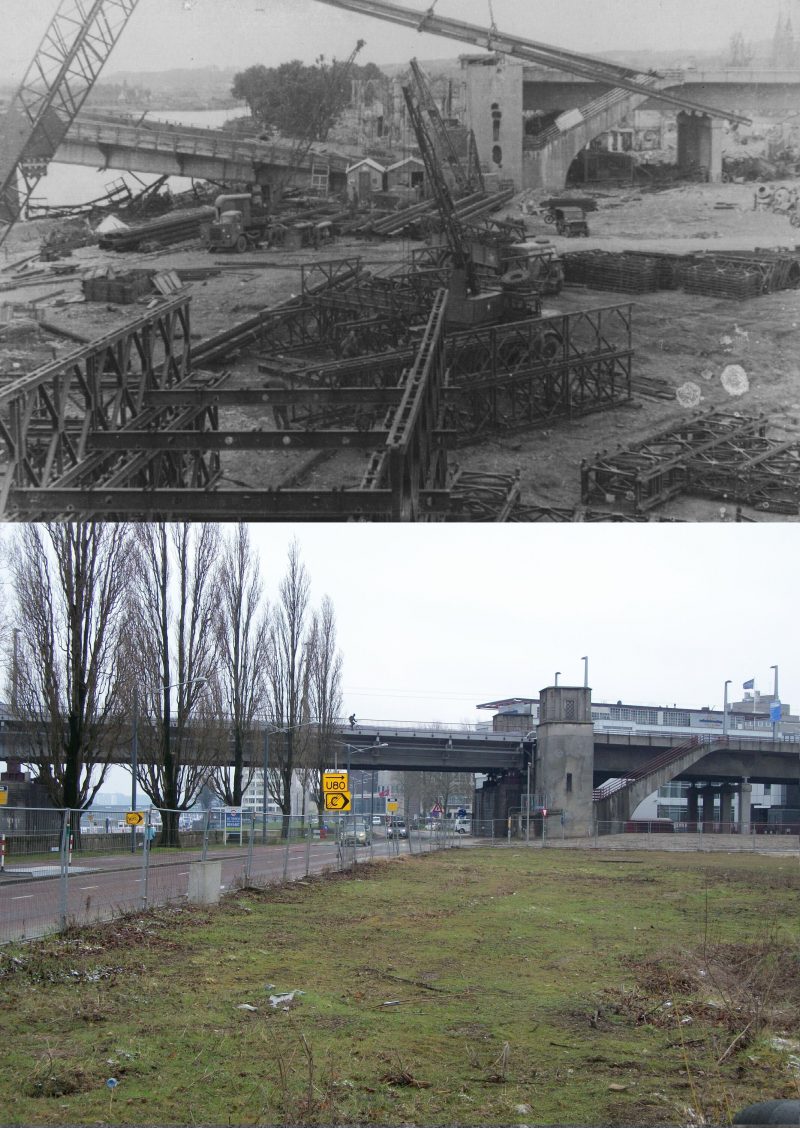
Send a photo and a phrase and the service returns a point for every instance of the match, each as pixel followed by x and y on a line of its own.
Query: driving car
pixel 355 834
pixel 397 829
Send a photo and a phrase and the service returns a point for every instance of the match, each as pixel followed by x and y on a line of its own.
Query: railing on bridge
pixel 666 757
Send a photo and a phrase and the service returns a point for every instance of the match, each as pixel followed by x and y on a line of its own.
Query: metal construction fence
pixel 61 868
pixel 638 834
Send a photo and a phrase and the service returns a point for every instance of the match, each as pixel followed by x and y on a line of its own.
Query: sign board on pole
pixel 392 805
pixel 134 818
pixel 775 712
pixel 3 794
pixel 334 781
pixel 337 800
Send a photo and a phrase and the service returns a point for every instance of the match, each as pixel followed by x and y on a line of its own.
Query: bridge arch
pixel 547 159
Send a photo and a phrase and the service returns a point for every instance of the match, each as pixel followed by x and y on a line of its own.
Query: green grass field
pixel 471 986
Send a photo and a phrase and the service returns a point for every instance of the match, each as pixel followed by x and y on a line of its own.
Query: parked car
pixel 397 830
pixel 355 834
pixel 461 826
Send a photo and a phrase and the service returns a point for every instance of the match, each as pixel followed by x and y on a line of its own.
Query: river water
pixel 65 185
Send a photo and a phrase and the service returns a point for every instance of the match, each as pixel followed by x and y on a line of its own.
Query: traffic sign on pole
pixel 337 800
pixel 3 794
pixel 134 818
pixel 334 781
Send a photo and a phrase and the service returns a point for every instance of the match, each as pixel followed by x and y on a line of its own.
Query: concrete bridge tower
pixel 565 756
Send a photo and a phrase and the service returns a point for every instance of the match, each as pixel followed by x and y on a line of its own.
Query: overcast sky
pixel 434 620
pixel 237 33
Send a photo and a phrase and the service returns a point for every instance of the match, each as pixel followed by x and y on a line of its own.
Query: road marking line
pixel 82 887
pixel 25 897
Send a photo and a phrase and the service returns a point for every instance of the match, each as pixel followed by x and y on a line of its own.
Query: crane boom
pixel 586 66
pixel 464 181
pixel 73 51
pixel 462 260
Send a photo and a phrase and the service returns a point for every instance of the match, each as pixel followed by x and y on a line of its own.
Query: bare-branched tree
pixel 70 583
pixel 174 648
pixel 287 703
pixel 242 632
pixel 324 680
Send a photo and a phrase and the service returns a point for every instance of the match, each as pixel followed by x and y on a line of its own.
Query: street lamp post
pixel 167 727
pixel 725 710
pixel 134 760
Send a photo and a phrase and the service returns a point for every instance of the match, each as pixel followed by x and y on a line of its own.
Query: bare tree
pixel 324 681
pixel 287 701
pixel 70 583
pixel 242 632
pixel 173 643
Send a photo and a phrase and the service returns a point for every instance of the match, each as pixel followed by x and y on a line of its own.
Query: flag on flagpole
pixel 749 684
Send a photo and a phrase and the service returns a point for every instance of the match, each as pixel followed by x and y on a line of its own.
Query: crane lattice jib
pixel 73 51
pixel 442 137
pixel 444 201
pixel 586 66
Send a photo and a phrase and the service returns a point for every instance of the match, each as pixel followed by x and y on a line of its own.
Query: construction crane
pixel 466 179
pixel 587 66
pixel 468 303
pixel 73 51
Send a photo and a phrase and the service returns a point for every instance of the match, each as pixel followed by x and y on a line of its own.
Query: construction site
pixel 494 314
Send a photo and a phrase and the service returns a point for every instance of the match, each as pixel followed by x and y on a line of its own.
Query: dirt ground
pixel 677 337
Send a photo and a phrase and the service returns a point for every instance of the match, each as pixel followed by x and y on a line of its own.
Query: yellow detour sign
pixel 334 781
pixel 3 794
pixel 391 805
pixel 134 818
pixel 337 801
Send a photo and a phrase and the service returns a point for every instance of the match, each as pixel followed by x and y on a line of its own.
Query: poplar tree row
pixel 164 631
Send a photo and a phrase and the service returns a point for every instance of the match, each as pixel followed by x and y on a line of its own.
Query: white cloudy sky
pixel 436 619
pixel 237 33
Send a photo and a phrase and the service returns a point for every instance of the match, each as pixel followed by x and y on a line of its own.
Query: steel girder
pixel 48 419
pixel 414 459
pixel 529 372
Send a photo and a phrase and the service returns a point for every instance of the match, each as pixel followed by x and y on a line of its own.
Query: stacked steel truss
pixel 720 456
pixel 69 58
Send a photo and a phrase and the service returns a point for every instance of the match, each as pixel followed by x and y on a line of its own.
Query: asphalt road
pixel 34 899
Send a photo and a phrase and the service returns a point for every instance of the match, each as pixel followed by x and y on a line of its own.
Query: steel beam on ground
pixel 253 397
pixel 235 440
pixel 216 505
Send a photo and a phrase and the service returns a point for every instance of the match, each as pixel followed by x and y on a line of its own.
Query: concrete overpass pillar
pixel 726 807
pixel 565 756
pixel 700 144
pixel 707 794
pixel 745 794
pixel 692 798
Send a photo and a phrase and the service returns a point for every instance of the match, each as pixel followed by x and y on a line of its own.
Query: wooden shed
pixel 363 178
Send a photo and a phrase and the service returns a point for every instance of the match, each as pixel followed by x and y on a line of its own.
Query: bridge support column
pixel 726 807
pixel 700 144
pixel 708 794
pixel 745 794
pixel 692 801
pixel 565 756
